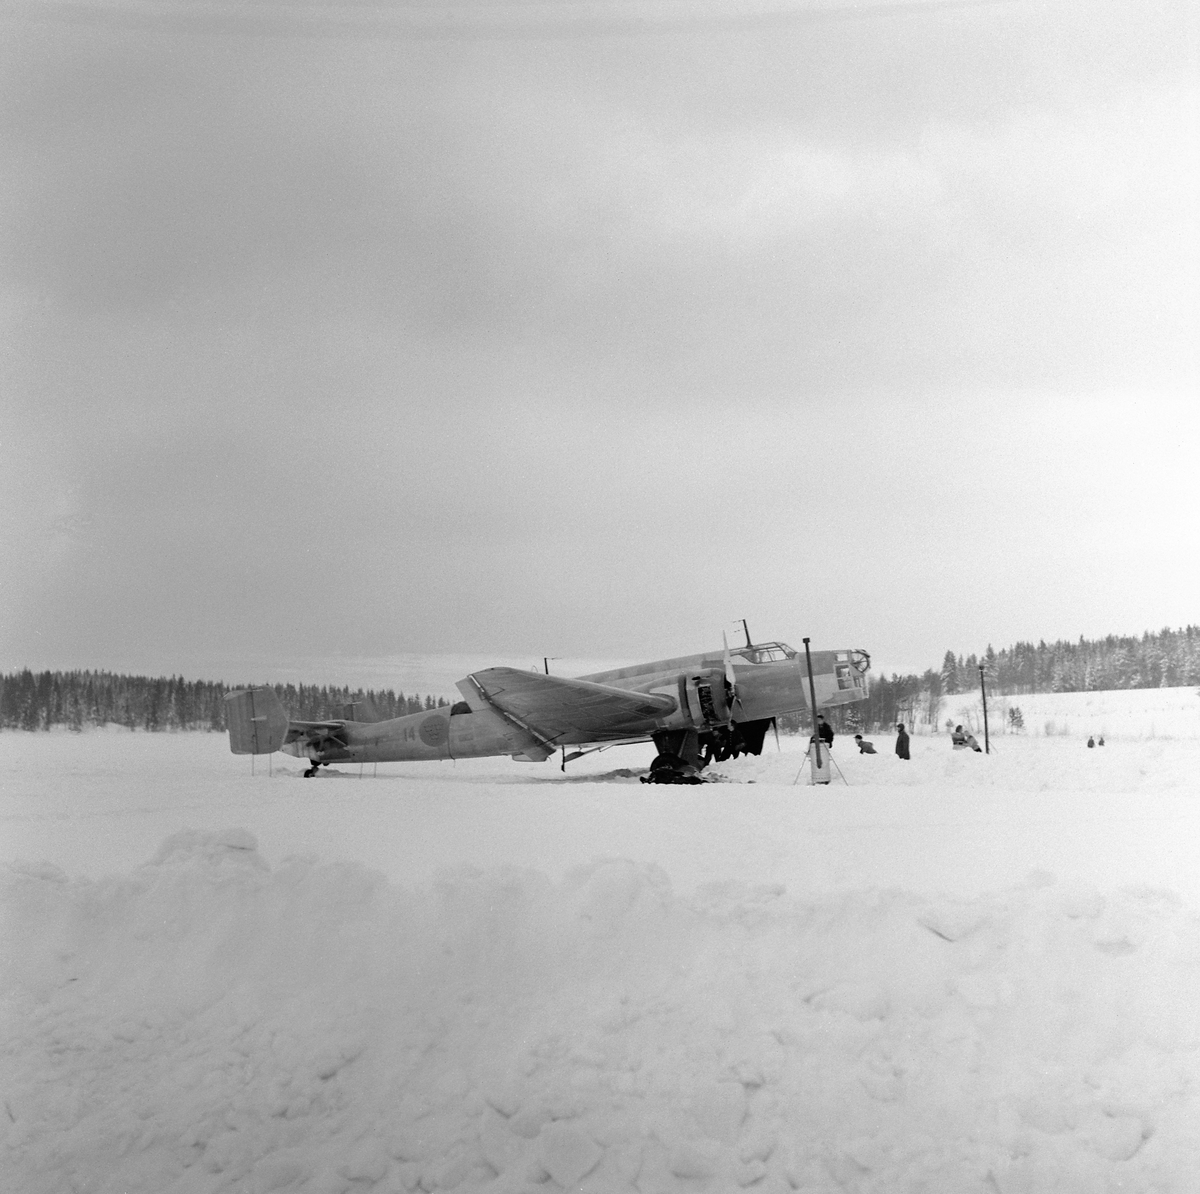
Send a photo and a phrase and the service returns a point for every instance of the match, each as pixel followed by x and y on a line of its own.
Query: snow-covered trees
pixel 949 674
pixel 76 699
pixel 1168 658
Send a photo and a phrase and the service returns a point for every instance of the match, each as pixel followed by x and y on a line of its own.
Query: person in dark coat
pixel 825 730
pixel 864 748
pixel 901 741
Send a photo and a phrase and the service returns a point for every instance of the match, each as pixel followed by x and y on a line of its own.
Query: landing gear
pixel 678 760
pixel 311 771
pixel 669 768
pixel 683 754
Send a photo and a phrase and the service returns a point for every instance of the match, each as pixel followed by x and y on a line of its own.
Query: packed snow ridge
pixel 211 1023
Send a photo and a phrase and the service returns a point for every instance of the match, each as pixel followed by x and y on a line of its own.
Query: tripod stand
pixel 832 761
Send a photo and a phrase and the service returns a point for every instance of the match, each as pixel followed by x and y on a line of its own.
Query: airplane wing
pixel 555 707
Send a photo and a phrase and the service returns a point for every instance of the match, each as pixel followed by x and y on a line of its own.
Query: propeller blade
pixel 734 699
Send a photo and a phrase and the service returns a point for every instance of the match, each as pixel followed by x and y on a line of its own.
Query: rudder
pixel 257 722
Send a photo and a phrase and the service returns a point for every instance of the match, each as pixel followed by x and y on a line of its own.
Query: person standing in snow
pixel 864 748
pixel 901 741
pixel 825 730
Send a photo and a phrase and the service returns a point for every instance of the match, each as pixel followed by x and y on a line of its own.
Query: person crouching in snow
pixel 961 740
pixel 901 741
pixel 864 748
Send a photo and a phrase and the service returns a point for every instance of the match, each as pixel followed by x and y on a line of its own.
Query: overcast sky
pixel 337 332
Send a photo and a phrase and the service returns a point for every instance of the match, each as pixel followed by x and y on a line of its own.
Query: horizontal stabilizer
pixel 257 722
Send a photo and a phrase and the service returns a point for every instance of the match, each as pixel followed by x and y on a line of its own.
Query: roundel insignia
pixel 434 731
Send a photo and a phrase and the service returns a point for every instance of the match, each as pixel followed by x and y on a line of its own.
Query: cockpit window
pixel 765 653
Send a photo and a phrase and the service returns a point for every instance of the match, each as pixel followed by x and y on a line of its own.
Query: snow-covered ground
pixel 1127 713
pixel 965 973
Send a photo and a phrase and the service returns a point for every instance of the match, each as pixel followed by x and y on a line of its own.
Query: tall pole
pixel 983 692
pixel 812 697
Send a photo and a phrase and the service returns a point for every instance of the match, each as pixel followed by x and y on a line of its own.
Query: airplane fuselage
pixel 712 704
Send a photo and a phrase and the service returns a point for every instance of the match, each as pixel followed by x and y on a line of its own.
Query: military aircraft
pixel 695 708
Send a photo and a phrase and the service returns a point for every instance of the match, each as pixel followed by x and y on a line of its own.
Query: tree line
pixel 1169 658
pixel 1166 659
pixel 37 701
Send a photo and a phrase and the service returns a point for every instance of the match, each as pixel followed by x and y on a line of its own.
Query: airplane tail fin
pixel 257 722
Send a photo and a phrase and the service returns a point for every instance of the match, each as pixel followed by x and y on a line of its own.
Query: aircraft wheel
pixel 669 768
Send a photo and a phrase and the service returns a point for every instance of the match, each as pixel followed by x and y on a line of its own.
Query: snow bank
pixel 209 1023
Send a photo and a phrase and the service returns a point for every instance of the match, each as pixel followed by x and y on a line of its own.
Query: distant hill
pixel 1138 713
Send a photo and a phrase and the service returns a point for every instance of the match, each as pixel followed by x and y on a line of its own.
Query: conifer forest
pixel 1169 658
pixel 37 701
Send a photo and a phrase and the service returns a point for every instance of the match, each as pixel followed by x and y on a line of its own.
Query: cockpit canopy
pixel 765 653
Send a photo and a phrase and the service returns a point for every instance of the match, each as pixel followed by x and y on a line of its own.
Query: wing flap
pixel 557 707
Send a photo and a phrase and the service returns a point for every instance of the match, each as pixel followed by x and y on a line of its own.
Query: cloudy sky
pixel 333 332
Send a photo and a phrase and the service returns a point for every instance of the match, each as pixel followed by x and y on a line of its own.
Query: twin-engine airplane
pixel 696 709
